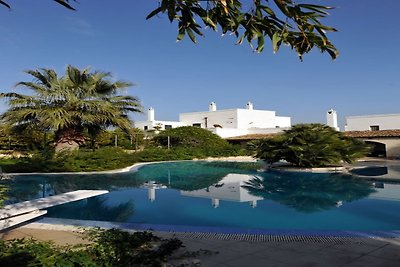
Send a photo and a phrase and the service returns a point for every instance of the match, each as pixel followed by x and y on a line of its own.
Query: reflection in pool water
pixel 223 195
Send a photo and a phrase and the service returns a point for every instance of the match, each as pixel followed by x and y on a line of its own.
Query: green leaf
pixel 64 3
pixel 154 12
pixel 191 35
pixel 276 40
pixel 240 39
pixel 260 41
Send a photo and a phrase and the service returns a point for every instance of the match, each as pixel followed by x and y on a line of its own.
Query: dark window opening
pixel 374 127
pixel 197 125
pixel 146 128
pixel 168 127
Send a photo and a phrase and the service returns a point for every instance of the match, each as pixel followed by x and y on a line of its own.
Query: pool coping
pixel 59 224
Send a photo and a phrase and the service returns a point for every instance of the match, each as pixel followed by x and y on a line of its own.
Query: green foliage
pixel 108 248
pixel 108 158
pixel 311 145
pixel 118 248
pixel 287 22
pixel 68 105
pixel 190 137
pixel 283 22
pixel 29 139
pixel 248 166
pixel 187 143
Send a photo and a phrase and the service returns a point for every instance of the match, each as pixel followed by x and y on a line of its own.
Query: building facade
pixel 236 122
pixel 382 132
pixel 373 122
pixel 151 124
pixel 225 123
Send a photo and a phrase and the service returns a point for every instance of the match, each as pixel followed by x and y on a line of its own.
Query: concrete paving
pixel 213 252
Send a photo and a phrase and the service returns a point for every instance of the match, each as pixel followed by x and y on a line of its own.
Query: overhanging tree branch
pixel 282 21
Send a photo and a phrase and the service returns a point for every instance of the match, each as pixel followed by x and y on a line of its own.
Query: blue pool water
pixel 221 194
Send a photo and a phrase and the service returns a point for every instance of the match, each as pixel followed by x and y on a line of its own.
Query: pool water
pixel 222 194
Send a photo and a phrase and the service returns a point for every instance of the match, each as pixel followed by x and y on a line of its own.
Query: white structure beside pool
pixel 373 122
pixel 225 122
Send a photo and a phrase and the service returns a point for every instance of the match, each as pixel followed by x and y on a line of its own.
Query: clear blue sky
pixel 182 77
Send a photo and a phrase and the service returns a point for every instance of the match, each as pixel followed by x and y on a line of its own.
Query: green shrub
pixel 108 248
pixel 190 137
pixel 311 145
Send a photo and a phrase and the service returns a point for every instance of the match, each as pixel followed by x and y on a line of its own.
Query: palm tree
pixel 68 105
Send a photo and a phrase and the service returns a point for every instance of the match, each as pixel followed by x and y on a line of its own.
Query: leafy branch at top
pixel 282 21
pixel 65 3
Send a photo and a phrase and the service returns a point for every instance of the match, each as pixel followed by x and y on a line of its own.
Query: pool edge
pixel 70 224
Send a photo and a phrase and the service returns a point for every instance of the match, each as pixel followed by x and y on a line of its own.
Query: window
pixel 374 127
pixel 168 127
pixel 146 128
pixel 197 125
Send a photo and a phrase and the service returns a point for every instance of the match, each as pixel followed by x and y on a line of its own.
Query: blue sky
pixel 182 77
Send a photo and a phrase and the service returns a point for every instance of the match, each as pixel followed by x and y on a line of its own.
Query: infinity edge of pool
pixel 217 230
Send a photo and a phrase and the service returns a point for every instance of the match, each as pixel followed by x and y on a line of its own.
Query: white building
pixel 225 123
pixel 382 132
pixel 152 124
pixel 373 122
pixel 236 122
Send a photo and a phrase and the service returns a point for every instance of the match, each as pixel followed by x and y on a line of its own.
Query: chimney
pixel 249 106
pixel 150 114
pixel 331 119
pixel 213 106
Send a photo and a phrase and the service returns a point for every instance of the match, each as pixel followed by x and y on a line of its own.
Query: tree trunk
pixel 68 140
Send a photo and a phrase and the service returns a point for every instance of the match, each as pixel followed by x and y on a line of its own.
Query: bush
pixel 107 158
pixel 190 137
pixel 108 248
pixel 311 145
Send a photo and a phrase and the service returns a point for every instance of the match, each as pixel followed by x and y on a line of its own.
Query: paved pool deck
pixel 204 251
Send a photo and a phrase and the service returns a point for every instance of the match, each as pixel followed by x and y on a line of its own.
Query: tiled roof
pixel 356 134
pixel 372 134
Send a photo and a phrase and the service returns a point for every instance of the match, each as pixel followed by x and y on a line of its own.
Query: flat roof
pixel 376 115
pixel 222 110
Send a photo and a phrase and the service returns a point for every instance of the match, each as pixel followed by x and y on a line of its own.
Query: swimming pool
pixel 222 194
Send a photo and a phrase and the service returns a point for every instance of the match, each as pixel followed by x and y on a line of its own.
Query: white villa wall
pixel 234 122
pixel 248 118
pixel 236 119
pixel 283 122
pixel 151 124
pixel 227 118
pixel 364 123
pixel 230 132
